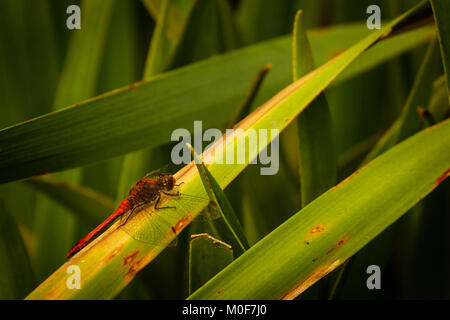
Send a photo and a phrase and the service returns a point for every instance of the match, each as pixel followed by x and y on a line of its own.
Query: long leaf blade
pixel 336 225
pixel 114 258
pixel 135 117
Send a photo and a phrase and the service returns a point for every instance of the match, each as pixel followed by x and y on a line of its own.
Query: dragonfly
pixel 148 190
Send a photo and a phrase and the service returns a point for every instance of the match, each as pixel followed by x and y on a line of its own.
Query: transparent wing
pixel 168 168
pixel 149 225
pixel 153 226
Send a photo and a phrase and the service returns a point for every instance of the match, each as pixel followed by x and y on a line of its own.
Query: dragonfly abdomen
pixel 123 207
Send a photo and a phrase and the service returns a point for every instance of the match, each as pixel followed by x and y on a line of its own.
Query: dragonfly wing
pixel 148 225
pixel 168 168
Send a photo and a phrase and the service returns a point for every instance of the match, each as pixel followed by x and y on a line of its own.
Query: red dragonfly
pixel 147 190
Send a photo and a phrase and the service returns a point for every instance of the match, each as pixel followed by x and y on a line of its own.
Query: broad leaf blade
pixel 114 258
pixel 135 117
pixel 317 151
pixel 336 225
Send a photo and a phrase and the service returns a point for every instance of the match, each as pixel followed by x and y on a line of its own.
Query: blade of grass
pixel 317 151
pixel 77 82
pixel 178 13
pixel 409 121
pixel 336 225
pixel 228 29
pixel 407 124
pixel 244 107
pixel 122 55
pixel 135 117
pixel 162 49
pixel 441 10
pixel 85 49
pixel 235 234
pixel 207 256
pixel 27 84
pixel 163 45
pixel 114 258
pixel 250 216
pixel 165 40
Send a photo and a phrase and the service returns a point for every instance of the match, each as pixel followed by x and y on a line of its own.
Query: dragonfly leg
pixel 132 210
pixel 157 202
pixel 171 194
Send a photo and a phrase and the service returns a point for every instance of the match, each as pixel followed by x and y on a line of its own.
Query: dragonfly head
pixel 166 181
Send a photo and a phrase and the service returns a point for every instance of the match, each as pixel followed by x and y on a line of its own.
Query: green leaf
pixel 336 225
pixel 178 13
pixel 145 114
pixel 78 80
pixel 407 124
pixel 317 151
pixel 162 48
pixel 441 10
pixel 207 256
pixel 16 275
pixel 113 259
pixel 235 234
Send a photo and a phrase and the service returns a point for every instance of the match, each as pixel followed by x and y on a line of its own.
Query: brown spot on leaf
pixel 134 268
pixel 219 291
pixel 337 245
pixel 317 229
pixel 114 253
pixel 129 258
pixel 183 222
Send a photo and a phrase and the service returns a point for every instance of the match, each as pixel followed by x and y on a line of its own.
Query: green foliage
pixel 86 113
